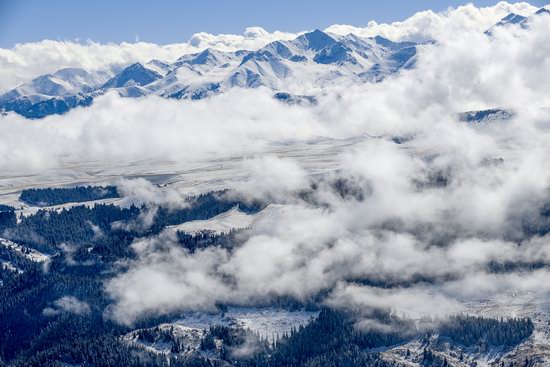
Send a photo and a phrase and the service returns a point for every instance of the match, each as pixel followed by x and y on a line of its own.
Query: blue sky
pixel 168 21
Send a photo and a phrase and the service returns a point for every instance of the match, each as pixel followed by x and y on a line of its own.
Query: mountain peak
pixel 512 18
pixel 383 42
pixel 335 54
pixel 136 73
pixel 135 66
pixel 205 56
pixel 315 40
pixel 278 48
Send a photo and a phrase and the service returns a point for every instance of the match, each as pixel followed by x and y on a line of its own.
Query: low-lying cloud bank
pixel 408 243
pixel 457 74
pixel 428 223
pixel 26 61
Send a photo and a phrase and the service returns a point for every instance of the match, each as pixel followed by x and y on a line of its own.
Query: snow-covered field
pixel 232 219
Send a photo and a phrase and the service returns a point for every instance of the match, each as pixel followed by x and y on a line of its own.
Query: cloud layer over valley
pixel 421 212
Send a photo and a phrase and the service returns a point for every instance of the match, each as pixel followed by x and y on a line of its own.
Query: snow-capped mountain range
pixel 312 59
pixel 292 69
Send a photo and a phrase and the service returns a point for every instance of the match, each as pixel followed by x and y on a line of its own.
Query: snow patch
pixel 225 222
pixel 267 322
pixel 26 252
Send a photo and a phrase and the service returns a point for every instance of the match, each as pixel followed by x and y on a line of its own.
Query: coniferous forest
pixel 56 196
pixel 36 332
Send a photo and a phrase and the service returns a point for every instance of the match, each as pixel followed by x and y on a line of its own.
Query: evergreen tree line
pixel 205 239
pixel 8 218
pixel 58 196
pixel 473 330
pixel 203 207
pixel 6 208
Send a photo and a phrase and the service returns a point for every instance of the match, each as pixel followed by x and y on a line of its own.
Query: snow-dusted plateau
pixel 374 196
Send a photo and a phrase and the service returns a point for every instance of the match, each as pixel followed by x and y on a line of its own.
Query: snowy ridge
pixel 314 59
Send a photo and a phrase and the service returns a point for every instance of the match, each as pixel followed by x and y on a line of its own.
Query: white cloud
pixel 413 302
pixel 68 304
pixel 166 278
pixel 140 191
pixel 253 38
pixel 118 129
pixel 428 25
pixel 272 178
